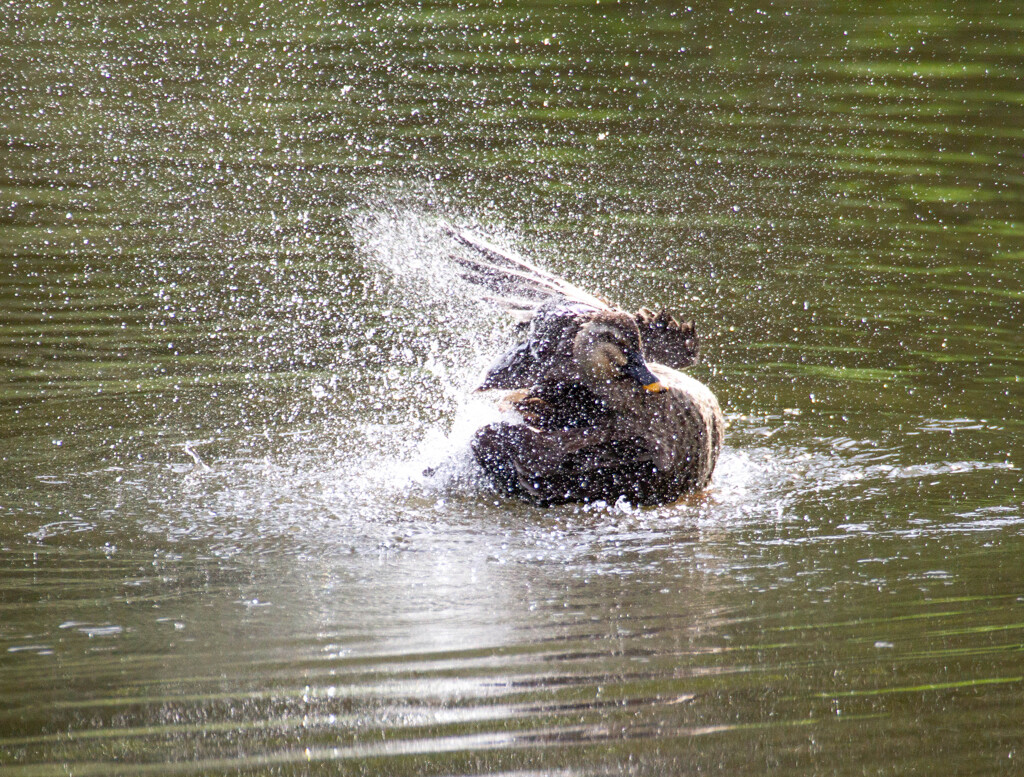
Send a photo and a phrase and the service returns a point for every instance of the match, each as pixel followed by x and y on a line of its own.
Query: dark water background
pixel 227 355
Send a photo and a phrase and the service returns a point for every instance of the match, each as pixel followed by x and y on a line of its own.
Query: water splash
pixel 456 336
pixel 366 447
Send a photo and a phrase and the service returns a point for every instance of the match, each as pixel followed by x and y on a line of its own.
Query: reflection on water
pixel 231 350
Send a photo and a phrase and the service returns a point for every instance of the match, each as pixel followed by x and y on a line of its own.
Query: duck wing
pixel 511 281
pixel 545 355
pixel 666 340
pixel 522 289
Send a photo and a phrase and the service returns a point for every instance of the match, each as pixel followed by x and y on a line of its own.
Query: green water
pixel 224 370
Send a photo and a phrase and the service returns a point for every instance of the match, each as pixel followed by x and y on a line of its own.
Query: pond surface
pixel 228 356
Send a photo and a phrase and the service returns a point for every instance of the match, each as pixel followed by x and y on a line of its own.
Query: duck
pixel 597 405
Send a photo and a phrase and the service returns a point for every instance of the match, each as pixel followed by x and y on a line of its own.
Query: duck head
pixel 607 353
pixel 577 343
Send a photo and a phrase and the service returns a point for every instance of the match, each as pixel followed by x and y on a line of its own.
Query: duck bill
pixel 636 369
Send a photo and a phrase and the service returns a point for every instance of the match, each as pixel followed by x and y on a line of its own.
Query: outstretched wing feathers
pixel 666 340
pixel 505 280
pixel 512 277
pixel 518 286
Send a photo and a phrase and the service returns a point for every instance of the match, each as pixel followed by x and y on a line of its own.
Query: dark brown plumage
pixel 598 420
